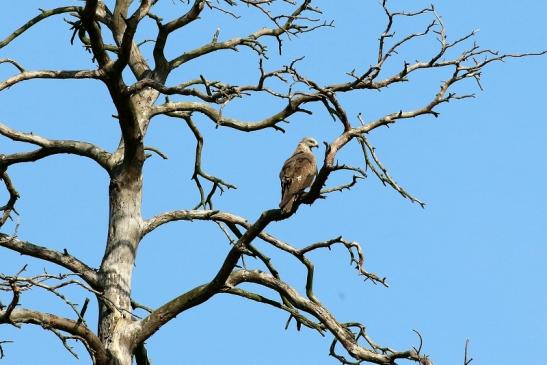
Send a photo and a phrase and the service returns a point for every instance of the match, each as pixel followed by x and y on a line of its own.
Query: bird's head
pixel 309 142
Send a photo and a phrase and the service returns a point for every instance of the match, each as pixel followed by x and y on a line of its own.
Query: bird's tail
pixel 287 204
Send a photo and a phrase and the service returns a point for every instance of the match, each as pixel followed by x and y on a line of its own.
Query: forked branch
pixel 206 201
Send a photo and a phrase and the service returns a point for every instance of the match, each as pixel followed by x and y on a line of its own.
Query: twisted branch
pixel 9 207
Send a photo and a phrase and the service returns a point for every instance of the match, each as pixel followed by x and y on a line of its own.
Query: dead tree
pixel 121 335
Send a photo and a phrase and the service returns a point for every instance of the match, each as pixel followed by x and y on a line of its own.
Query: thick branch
pixel 88 16
pixel 50 321
pixel 162 65
pixel 62 259
pixel 123 30
pixel 51 147
pixel 217 117
pixel 232 44
pixel 127 48
pixel 48 74
pixel 5 318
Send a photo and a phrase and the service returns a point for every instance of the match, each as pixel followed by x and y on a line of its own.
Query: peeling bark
pixel 124 232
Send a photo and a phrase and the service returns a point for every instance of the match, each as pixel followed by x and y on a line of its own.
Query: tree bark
pixel 124 234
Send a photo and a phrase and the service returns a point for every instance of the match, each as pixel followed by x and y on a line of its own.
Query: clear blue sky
pixel 470 265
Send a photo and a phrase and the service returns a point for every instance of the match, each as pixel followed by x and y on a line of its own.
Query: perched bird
pixel 297 173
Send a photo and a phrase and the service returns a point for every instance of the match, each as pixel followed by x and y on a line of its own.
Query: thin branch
pixel 355 251
pixel 359 174
pixel 295 103
pixel 82 311
pixel 156 151
pixel 44 14
pixel 13 62
pixel 64 340
pixel 2 354
pixel 301 319
pixel 136 305
pixel 342 187
pixel 289 27
pixel 381 172
pixel 42 281
pixel 466 360
pixel 205 202
pixel 216 91
pixel 257 254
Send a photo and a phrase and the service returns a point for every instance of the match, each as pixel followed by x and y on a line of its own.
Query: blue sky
pixel 470 265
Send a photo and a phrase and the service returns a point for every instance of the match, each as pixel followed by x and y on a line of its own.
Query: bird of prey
pixel 297 173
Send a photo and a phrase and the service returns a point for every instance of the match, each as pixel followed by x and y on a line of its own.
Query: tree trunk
pixel 124 233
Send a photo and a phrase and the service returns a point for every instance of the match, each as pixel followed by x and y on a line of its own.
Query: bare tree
pixel 139 92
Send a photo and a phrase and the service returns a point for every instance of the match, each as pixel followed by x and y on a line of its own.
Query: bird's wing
pixel 297 174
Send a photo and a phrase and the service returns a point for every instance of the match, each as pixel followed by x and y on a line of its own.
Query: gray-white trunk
pixel 124 233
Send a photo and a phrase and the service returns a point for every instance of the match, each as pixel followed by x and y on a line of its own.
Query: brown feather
pixel 297 173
